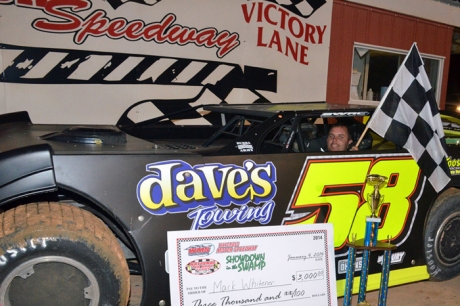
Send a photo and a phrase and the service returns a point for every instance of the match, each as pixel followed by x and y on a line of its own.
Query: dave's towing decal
pixel 204 191
pixel 341 198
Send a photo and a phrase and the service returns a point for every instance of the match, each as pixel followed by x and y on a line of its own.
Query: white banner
pixel 86 61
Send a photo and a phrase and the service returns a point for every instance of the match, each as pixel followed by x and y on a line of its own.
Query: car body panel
pixel 149 187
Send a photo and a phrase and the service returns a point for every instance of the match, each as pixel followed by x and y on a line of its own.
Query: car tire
pixel 59 254
pixel 442 237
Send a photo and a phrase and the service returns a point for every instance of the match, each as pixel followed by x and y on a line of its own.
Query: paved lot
pixel 417 294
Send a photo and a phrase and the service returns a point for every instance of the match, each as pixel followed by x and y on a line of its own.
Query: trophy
pixel 374 199
pixel 368 244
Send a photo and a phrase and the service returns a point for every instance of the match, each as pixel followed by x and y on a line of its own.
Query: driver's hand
pixel 354 148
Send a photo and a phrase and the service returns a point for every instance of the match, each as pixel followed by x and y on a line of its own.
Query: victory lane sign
pixel 279 26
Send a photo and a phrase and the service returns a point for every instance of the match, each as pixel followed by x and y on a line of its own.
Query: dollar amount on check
pixel 309 275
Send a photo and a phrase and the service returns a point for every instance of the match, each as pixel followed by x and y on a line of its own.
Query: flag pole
pixel 385 95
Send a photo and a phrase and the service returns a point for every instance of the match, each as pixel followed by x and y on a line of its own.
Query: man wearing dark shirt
pixel 339 139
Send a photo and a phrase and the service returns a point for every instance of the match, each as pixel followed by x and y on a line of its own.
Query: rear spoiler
pixel 22 116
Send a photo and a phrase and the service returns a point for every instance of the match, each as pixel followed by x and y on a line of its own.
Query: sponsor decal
pixel 450 125
pixel 246 263
pixel 345 114
pixel 396 258
pixel 453 141
pixel 244 146
pixel 454 165
pixel 207 191
pixel 204 249
pixel 235 247
pixel 342 265
pixel 202 266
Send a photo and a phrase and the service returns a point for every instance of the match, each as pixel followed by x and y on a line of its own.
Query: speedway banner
pixel 89 60
pixel 286 265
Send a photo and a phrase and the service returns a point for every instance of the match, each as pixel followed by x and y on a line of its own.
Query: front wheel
pixel 59 254
pixel 442 237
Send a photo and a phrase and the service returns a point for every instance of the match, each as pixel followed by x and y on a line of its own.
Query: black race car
pixel 85 206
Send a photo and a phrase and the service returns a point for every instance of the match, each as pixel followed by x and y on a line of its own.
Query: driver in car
pixel 339 139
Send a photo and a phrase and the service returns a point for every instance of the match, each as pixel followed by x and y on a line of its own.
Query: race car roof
pixel 322 109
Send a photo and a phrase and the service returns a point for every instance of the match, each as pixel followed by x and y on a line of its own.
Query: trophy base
pixel 373 219
pixel 360 244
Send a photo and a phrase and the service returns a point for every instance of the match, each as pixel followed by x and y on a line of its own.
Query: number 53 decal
pixel 335 191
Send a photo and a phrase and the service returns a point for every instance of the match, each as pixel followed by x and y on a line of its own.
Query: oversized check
pixel 279 265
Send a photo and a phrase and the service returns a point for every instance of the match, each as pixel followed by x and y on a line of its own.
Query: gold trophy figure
pixel 375 200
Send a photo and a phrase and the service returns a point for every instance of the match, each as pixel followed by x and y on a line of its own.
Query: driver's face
pixel 338 139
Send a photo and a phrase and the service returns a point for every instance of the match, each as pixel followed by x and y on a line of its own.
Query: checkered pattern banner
pixel 219 81
pixel 409 117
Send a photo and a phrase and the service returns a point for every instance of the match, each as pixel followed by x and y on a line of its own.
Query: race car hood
pixel 16 131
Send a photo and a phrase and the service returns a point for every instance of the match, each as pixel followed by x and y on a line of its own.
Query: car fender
pixel 26 171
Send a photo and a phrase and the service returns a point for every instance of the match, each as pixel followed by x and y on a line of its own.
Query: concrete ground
pixel 417 294
pixel 424 293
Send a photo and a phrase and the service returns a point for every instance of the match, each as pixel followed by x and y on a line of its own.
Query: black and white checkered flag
pixel 304 8
pixel 409 117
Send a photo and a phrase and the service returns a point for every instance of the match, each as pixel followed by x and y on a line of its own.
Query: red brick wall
pixel 357 23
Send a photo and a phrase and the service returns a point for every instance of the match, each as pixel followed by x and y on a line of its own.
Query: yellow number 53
pixel 335 191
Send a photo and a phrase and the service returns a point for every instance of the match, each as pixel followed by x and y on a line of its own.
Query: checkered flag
pixel 304 8
pixel 409 117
